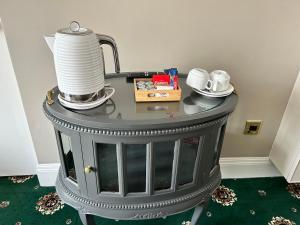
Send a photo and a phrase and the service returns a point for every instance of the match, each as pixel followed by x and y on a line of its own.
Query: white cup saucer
pixel 216 94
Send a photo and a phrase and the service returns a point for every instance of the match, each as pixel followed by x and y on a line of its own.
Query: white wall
pixel 285 153
pixel 17 155
pixel 256 41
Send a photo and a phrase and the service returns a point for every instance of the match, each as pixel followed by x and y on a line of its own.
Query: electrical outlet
pixel 252 127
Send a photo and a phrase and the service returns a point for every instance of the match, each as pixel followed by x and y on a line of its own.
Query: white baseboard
pixel 236 167
pixel 247 167
pixel 47 174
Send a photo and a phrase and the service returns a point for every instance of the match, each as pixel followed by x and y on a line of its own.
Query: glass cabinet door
pixel 163 164
pixel 218 146
pixel 106 160
pixel 188 155
pixel 68 157
pixel 136 167
pixel 119 169
pixel 71 160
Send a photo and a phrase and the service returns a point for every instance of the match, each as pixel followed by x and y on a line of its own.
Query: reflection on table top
pixel 123 106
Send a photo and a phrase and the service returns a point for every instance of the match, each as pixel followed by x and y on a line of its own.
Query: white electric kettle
pixel 79 65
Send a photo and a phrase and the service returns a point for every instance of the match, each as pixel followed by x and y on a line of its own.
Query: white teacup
pixel 219 81
pixel 198 79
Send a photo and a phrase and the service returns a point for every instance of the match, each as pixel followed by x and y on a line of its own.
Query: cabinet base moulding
pixel 235 167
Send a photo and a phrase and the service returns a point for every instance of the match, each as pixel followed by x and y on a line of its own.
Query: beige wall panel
pixel 256 41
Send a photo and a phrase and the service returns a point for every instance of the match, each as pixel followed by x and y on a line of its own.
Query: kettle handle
pixel 105 39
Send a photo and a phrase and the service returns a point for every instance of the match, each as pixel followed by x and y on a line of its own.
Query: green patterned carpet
pixel 261 201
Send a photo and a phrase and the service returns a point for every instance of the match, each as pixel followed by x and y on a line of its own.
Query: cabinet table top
pixel 122 112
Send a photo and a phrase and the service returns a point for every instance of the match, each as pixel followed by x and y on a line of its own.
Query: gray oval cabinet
pixel 126 161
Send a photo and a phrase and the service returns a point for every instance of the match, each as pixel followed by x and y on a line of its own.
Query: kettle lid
pixel 75 29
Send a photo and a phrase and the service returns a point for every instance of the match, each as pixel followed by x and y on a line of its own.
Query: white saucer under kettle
pixel 79 66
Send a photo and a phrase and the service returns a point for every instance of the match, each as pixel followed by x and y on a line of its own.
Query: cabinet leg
pixel 86 219
pixel 197 213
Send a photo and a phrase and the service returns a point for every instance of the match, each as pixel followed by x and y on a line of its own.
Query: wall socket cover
pixel 252 127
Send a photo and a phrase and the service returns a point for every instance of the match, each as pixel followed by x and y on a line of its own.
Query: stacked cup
pixel 216 81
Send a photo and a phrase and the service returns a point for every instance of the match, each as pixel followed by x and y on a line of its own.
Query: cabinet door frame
pixel 90 159
pixel 78 187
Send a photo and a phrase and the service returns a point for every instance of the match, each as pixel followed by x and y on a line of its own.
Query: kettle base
pixel 82 98
pixel 87 105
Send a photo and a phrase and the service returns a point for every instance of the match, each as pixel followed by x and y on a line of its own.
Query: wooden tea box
pixel 155 95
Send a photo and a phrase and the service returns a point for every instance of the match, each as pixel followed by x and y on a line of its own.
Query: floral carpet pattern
pixel 49 204
pixel 224 196
pixel 294 189
pixel 259 201
pixel 19 179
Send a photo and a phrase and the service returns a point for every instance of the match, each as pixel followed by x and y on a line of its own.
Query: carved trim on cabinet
pixel 133 133
pixel 152 205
